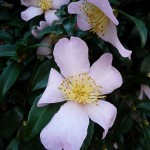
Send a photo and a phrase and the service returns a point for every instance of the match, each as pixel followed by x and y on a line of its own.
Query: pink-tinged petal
pixel 45 51
pixel 105 74
pixel 144 89
pixel 103 114
pixel 67 129
pixel 104 6
pixel 74 8
pixel 56 4
pixel 30 13
pixel 71 56
pixel 111 37
pixel 50 16
pixel 36 31
pixel 52 94
pixel 29 3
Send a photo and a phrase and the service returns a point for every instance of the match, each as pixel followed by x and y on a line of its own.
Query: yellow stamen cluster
pixel 96 19
pixel 44 4
pixel 81 88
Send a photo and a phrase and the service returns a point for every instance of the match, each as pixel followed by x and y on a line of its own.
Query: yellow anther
pixel 96 19
pixel 44 4
pixel 81 88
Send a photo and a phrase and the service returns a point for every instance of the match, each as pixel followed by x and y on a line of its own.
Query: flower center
pixel 81 88
pixel 96 19
pixel 44 4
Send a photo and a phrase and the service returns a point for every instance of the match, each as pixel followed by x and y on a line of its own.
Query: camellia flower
pixel 97 16
pixel 38 7
pixel 83 88
pixel 145 89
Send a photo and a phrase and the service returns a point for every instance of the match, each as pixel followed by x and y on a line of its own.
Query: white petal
pixel 58 3
pixel 71 56
pixel 111 37
pixel 67 129
pixel 105 74
pixel 29 3
pixel 50 16
pixel 30 13
pixel 45 51
pixel 104 6
pixel 52 94
pixel 146 90
pixel 104 114
pixel 36 31
pixel 74 8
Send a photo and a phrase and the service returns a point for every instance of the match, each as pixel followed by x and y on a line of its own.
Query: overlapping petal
pixel 29 3
pixel 74 8
pixel 104 6
pixel 50 16
pixel 45 51
pixel 56 4
pixel 105 74
pixel 104 114
pixel 52 94
pixel 30 13
pixel 144 89
pixel 111 37
pixel 67 129
pixel 71 56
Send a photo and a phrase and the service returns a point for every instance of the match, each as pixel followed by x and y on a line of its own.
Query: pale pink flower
pixel 45 50
pixel 35 32
pixel 83 88
pixel 38 7
pixel 97 16
pixel 144 89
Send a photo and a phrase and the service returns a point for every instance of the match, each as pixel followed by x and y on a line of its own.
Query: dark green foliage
pixel 24 76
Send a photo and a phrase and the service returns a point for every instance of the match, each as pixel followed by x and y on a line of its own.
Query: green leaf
pixel 14 144
pixel 145 65
pixel 144 106
pixel 10 122
pixel 140 26
pixel 6 36
pixel 41 76
pixel 39 117
pixel 125 124
pixel 8 77
pixel 7 50
pixel 147 137
pixel 88 138
pixel 69 25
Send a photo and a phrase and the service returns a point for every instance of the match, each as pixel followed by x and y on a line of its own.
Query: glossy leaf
pixel 14 144
pixel 140 26
pixel 7 50
pixel 8 77
pixel 39 117
pixel 10 122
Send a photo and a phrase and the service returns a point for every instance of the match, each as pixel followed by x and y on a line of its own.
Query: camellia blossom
pixel 83 88
pixel 38 7
pixel 97 16
pixel 145 89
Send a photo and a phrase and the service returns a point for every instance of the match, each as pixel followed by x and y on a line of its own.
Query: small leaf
pixel 41 76
pixel 39 117
pixel 144 106
pixel 147 137
pixel 14 144
pixel 69 25
pixel 7 50
pixel 140 26
pixel 6 37
pixel 9 76
pixel 10 122
pixel 145 65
